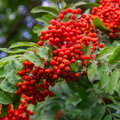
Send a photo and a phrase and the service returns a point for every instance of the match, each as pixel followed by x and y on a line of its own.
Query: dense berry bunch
pixel 71 39
pixel 22 113
pixel 36 84
pixel 109 13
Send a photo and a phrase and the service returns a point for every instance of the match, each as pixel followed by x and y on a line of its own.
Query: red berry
pixel 67 69
pixel 64 12
pixel 40 43
pixel 69 10
pixel 61 16
pixel 78 11
pixel 62 66
pixel 77 75
pixel 101 45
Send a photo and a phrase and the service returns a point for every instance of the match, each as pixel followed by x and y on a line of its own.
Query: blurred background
pixel 16 21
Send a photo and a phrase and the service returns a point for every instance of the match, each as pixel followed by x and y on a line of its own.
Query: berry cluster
pixel 71 39
pixel 36 84
pixel 109 13
pixel 22 113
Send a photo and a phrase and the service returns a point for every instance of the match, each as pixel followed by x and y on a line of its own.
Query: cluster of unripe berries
pixel 109 13
pixel 71 39
pixel 22 113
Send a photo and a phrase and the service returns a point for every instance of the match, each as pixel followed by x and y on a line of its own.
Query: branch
pixel 102 101
pixel 108 65
pixel 58 6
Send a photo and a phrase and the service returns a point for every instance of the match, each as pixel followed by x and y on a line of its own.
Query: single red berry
pixel 51 94
pixel 69 10
pixel 84 63
pixel 55 76
pixel 40 43
pixel 67 69
pixel 101 45
pixel 20 84
pixel 62 66
pixel 64 12
pixel 61 16
pixel 78 11
pixel 77 75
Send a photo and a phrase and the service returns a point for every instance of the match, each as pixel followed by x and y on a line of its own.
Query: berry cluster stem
pixel 58 6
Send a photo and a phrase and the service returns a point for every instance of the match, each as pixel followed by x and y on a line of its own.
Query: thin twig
pixel 107 108
pixel 102 101
pixel 108 65
pixel 58 6
pixel 3 81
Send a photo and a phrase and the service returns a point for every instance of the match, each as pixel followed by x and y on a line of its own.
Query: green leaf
pixel 79 89
pixel 104 75
pixel 31 107
pixel 55 108
pixel 88 50
pixel 92 69
pixel 98 112
pixel 63 3
pixel 4 99
pixel 45 19
pixel 68 6
pixel 116 115
pixel 13 65
pixel 35 58
pixel 65 89
pixel 82 92
pixel 2 72
pixel 106 52
pixel 98 1
pixel 4 110
pixel 91 4
pixel 118 88
pixel 108 117
pixel 13 51
pixel 87 12
pixel 78 4
pixel 37 29
pixel 114 106
pixel 23 44
pixel 6 86
pixel 115 56
pixel 113 81
pixel 49 10
pixel 44 52
pixel 74 67
pixel 86 103
pixel 12 77
pixel 99 24
pixel 5 60
pixel 16 101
